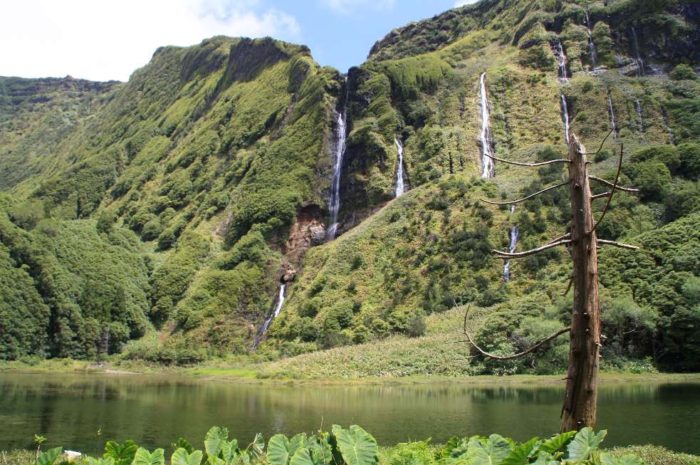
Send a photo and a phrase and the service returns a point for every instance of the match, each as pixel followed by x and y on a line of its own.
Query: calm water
pixel 80 412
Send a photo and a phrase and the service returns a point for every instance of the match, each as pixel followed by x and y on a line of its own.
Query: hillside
pixel 210 175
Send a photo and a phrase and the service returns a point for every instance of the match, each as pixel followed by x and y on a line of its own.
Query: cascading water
pixel 638 56
pixel 562 60
pixel 591 45
pixel 340 140
pixel 611 113
pixel 399 169
pixel 559 53
pixel 487 165
pixel 275 314
pixel 514 236
pixel 565 118
pixel 640 115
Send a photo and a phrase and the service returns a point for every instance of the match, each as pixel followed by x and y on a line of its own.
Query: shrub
pixel 682 72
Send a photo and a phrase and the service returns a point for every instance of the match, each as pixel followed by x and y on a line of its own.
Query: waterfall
pixel 565 118
pixel 640 117
pixel 275 314
pixel 487 165
pixel 514 235
pixel 339 149
pixel 399 169
pixel 611 112
pixel 591 45
pixel 562 60
pixel 638 56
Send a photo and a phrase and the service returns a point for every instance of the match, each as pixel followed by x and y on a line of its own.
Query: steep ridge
pixel 221 158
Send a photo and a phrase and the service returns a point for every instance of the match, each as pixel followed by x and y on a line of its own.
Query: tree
pixel 580 402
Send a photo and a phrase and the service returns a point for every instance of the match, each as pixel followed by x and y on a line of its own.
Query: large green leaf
pixel 607 459
pixel 122 454
pixel 102 461
pixel 491 451
pixel 50 456
pixel 357 446
pixel 585 442
pixel 278 450
pixel 301 457
pixel 557 443
pixel 229 451
pixel 545 458
pixel 144 457
pixel 297 442
pixel 521 454
pixel 181 457
pixel 214 440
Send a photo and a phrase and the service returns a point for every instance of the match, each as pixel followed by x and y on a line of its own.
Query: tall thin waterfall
pixel 487 165
pixel 340 140
pixel 559 53
pixel 275 314
pixel 640 115
pixel 591 45
pixel 514 236
pixel 562 60
pixel 638 56
pixel 565 118
pixel 399 169
pixel 613 120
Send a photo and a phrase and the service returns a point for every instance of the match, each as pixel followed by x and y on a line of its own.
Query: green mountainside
pixel 159 217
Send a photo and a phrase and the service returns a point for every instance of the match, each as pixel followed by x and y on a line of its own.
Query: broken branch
pixel 513 202
pixel 517 163
pixel 621 245
pixel 533 251
pixel 534 347
pixel 608 183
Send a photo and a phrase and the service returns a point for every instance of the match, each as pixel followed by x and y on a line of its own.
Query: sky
pixel 109 39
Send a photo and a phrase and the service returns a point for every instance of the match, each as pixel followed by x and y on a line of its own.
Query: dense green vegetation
pixel 355 446
pixel 157 218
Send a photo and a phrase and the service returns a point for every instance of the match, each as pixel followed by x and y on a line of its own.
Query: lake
pixel 82 411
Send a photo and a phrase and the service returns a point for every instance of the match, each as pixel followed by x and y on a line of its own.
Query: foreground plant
pixel 355 446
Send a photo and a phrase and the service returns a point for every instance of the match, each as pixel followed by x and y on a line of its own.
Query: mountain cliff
pixel 168 210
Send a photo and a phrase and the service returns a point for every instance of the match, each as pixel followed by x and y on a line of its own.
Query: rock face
pixel 307 231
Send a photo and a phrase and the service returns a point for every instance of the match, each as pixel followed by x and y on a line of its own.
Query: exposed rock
pixel 308 230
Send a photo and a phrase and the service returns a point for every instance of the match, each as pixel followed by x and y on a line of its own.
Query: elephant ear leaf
pixel 301 457
pixel 278 450
pixel 181 457
pixel 491 451
pixel 607 459
pixel 558 442
pixel 214 440
pixel 357 446
pixel 585 442
pixel 123 454
pixel 50 456
pixel 521 454
pixel 143 457
pixel 297 442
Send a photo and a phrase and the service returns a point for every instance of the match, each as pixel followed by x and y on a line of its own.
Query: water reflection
pixel 82 411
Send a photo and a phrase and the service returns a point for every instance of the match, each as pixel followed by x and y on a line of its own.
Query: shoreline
pixel 249 375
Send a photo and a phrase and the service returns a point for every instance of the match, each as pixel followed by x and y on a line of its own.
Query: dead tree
pixel 580 402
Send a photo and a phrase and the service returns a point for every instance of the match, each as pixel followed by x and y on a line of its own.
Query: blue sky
pixel 109 39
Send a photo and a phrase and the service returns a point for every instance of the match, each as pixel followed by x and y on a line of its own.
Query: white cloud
pixel 348 6
pixel 459 3
pixel 101 40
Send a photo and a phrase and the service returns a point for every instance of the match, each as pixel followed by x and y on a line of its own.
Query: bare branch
pixel 568 288
pixel 534 347
pixel 600 196
pixel 563 236
pixel 608 183
pixel 517 163
pixel 617 244
pixel 603 143
pixel 513 202
pixel 533 251
pixel 612 192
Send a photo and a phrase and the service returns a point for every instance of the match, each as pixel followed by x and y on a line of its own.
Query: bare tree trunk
pixel 579 409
